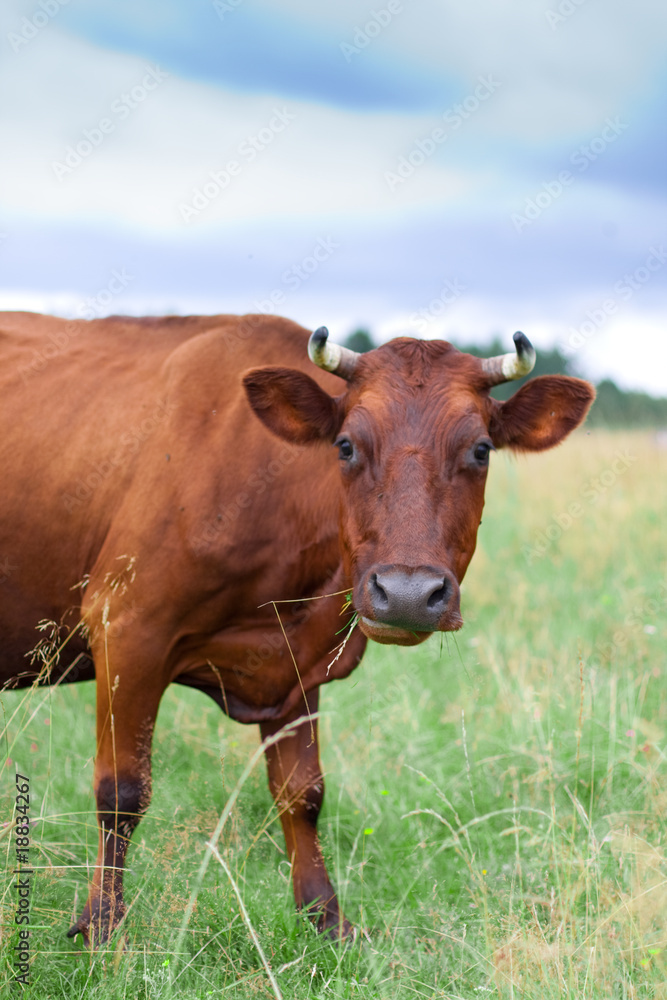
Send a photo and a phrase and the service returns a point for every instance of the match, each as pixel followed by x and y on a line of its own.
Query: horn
pixel 507 367
pixel 332 357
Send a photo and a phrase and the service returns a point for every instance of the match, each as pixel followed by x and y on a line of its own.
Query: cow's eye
pixel 345 449
pixel 481 452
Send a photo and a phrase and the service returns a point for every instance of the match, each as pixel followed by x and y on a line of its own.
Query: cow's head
pixel 413 429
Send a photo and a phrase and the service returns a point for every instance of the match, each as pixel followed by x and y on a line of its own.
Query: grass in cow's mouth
pixel 533 867
pixel 349 624
pixel 348 628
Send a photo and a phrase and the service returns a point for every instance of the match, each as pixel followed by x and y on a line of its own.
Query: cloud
pixel 293 157
pixel 218 174
pixel 295 56
pixel 560 79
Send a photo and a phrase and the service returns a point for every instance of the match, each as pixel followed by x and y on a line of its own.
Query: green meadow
pixel 496 810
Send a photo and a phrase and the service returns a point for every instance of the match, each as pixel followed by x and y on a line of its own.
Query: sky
pixel 432 168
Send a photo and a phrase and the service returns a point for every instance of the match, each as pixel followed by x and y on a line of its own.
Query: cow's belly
pixel 64 663
pixel 262 673
pixel 41 641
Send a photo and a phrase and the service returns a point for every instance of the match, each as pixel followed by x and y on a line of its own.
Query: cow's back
pixel 98 418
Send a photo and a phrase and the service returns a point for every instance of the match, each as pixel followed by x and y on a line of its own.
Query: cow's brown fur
pixel 144 498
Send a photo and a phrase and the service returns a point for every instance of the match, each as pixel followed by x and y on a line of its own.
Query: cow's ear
pixel 541 413
pixel 292 405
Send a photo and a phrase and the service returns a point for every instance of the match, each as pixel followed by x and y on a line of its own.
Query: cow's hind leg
pixel 126 712
pixel 297 785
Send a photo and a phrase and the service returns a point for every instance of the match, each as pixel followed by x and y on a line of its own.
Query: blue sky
pixel 346 164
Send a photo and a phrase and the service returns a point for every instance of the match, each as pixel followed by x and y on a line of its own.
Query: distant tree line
pixel 613 407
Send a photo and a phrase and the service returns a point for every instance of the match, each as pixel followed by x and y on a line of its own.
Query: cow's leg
pixel 297 785
pixel 127 706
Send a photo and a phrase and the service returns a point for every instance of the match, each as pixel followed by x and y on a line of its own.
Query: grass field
pixel 495 818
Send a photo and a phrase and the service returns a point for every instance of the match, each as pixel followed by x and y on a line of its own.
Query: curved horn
pixel 332 357
pixel 507 367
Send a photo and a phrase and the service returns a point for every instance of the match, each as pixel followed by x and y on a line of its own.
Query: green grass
pixel 496 801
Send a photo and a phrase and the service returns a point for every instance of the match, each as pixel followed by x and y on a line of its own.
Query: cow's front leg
pixel 127 705
pixel 297 785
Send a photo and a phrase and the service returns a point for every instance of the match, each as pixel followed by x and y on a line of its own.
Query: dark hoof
pixel 98 928
pixel 342 934
pixel 335 927
pixel 79 928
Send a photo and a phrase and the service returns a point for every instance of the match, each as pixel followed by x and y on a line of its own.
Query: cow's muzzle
pixel 412 601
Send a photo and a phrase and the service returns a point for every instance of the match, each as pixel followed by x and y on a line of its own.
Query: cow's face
pixel 413 433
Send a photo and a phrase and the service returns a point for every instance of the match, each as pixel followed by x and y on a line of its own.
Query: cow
pixel 199 500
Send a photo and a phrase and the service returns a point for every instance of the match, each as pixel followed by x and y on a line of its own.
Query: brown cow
pixel 151 515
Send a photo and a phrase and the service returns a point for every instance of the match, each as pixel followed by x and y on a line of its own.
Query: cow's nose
pixel 411 598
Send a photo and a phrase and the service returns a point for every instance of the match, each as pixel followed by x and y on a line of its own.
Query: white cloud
pixel 631 349
pixel 553 84
pixel 330 164
pixel 154 157
pixel 558 81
